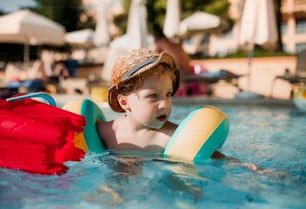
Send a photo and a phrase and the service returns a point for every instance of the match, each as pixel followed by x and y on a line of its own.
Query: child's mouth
pixel 162 117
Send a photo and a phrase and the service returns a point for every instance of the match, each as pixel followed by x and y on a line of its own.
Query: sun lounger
pixel 213 78
pixel 297 79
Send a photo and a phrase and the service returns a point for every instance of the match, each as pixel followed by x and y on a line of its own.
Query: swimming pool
pixel 271 136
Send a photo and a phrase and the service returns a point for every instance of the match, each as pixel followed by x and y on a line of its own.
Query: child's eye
pixel 169 94
pixel 152 96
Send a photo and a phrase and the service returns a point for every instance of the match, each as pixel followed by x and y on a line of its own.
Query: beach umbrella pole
pixel 250 59
pixel 26 53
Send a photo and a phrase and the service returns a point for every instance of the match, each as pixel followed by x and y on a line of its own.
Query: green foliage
pixel 65 12
pixel 157 10
pixel 218 7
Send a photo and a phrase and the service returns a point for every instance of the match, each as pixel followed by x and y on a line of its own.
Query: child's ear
pixel 122 100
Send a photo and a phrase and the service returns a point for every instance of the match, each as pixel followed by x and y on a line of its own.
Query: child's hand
pixel 260 170
pixel 251 166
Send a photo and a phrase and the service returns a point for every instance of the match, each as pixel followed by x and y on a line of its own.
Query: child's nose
pixel 164 102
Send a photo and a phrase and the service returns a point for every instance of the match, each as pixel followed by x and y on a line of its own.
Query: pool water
pixel 272 137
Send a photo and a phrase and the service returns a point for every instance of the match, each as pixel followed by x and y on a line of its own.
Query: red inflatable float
pixel 38 137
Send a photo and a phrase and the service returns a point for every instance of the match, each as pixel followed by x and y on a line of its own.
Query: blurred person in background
pixel 175 49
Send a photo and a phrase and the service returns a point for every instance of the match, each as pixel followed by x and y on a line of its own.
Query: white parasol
pixel 101 35
pixel 258 26
pixel 80 37
pixel 137 29
pixel 28 28
pixel 137 36
pixel 200 22
pixel 172 19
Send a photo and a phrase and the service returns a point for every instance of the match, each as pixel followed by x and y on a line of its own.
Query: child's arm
pixel 251 166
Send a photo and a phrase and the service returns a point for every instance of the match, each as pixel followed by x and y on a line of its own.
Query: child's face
pixel 151 104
